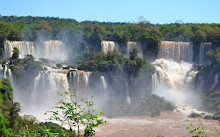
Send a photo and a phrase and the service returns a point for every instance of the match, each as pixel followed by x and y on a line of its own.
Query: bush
pixel 15 54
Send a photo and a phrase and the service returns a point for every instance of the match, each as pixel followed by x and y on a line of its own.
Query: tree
pixel 151 39
pixel 96 37
pixel 4 130
pixel 133 54
pixel 15 54
pixel 215 55
pixel 77 112
pixel 199 36
pixel 5 96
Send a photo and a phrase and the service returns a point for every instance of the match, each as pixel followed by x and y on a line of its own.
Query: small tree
pixel 77 112
pixel 15 54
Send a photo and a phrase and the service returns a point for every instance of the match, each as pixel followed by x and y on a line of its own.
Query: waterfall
pixel 172 80
pixel 128 98
pixel 190 77
pixel 178 51
pixel 48 83
pixel 204 48
pixel 104 84
pixel 52 49
pixel 25 47
pixel 6 71
pixel 215 81
pixel 44 94
pixel 79 81
pixel 107 46
pixel 132 45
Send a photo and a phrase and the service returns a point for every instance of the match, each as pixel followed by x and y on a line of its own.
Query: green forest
pixel 91 33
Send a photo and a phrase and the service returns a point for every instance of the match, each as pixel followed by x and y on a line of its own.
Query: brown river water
pixel 168 124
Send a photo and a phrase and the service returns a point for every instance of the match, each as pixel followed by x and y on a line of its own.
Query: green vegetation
pixel 29 126
pixel 198 130
pixel 88 36
pixel 8 109
pixel 15 54
pixel 113 62
pixel 215 56
pixel 11 124
pixel 76 112
pixel 210 98
pixel 27 65
pixel 91 33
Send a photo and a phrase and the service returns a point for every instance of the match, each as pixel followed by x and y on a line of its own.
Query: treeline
pixel 91 33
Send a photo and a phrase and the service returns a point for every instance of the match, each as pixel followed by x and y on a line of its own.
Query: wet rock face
pixel 216 117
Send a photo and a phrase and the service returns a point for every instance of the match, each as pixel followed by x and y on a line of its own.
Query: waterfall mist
pixel 174 80
pixel 114 93
pixel 175 75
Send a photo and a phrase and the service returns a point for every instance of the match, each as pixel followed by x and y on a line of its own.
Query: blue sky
pixel 155 11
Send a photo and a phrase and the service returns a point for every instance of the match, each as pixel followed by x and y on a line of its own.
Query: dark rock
pixel 216 117
pixel 195 115
pixel 156 113
pixel 208 117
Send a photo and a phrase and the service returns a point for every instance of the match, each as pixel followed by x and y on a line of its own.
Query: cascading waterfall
pixel 6 72
pixel 132 45
pixel 52 49
pixel 173 80
pixel 174 77
pixel 107 46
pixel 44 94
pixel 25 47
pixel 190 77
pixel 204 48
pixel 79 81
pixel 177 51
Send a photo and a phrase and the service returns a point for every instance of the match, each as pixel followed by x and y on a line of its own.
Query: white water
pixel 44 94
pixel 173 81
pixel 177 51
pixel 107 46
pixel 79 81
pixel 6 72
pixel 132 45
pixel 104 84
pixel 215 82
pixel 204 48
pixel 128 99
pixel 52 49
pixel 25 47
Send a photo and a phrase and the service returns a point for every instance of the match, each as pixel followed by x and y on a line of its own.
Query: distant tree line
pixel 91 33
